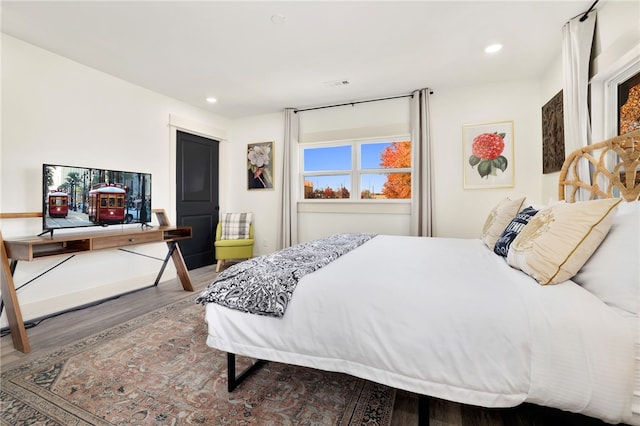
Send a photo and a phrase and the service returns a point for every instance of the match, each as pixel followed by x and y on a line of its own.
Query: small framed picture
pixel 260 165
pixel 488 155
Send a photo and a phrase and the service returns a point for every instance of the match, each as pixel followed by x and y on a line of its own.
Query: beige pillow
pixel 612 273
pixel 498 219
pixel 557 241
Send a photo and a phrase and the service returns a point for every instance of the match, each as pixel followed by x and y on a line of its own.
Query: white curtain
pixel 287 225
pixel 577 39
pixel 421 207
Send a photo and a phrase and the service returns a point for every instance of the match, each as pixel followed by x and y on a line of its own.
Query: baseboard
pixel 41 309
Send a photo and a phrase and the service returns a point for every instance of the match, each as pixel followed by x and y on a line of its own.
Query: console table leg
pixel 176 254
pixel 172 246
pixel 181 269
pixel 10 299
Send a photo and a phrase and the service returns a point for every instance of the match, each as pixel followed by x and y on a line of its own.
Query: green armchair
pixel 232 249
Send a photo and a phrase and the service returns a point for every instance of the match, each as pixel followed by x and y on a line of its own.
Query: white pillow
pixel 613 272
pixel 557 241
pixel 498 219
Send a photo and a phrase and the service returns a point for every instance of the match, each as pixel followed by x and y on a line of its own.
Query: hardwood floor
pixel 66 328
pixel 71 326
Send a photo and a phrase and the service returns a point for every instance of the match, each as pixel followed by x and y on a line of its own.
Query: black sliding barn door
pixel 197 196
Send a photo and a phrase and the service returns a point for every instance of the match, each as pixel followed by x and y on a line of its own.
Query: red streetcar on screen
pixel 107 203
pixel 58 204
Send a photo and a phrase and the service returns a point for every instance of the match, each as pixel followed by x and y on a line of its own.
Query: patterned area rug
pixel 157 369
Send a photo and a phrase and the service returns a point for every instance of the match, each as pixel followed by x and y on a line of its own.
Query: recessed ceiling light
pixel 278 18
pixel 212 100
pixel 493 48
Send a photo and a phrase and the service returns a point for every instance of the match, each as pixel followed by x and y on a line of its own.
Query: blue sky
pixel 339 158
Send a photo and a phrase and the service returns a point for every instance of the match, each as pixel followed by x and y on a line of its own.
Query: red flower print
pixel 487 154
pixel 487 146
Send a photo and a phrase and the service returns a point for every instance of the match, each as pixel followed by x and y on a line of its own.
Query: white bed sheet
pixel 450 319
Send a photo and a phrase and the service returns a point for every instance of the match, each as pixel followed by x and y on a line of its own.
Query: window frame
pixel 356 173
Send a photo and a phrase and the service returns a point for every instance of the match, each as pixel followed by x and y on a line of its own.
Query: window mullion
pixel 355 175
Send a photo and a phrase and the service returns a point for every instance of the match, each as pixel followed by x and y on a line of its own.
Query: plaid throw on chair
pixel 235 226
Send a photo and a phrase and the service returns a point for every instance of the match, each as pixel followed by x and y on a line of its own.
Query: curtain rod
pixel 356 102
pixel 586 14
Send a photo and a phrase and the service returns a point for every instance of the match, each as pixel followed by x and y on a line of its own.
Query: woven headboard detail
pixel 614 165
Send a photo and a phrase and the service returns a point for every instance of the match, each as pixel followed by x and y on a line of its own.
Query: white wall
pixel 57 111
pixel 458 212
pixel 616 58
pixel 235 197
pixel 616 48
pixel 550 86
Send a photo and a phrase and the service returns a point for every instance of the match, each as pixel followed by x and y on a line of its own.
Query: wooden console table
pixel 28 249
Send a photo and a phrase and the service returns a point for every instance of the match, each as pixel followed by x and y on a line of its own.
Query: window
pixel 629 105
pixel 370 169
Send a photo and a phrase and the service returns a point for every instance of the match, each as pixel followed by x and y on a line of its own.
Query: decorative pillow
pixel 513 229
pixel 235 226
pixel 557 241
pixel 498 219
pixel 612 273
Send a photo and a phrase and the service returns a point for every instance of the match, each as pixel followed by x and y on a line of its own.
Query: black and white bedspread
pixel 264 285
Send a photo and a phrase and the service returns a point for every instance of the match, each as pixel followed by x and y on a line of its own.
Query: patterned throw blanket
pixel 264 285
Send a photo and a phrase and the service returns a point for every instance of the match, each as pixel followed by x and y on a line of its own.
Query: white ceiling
pixel 232 50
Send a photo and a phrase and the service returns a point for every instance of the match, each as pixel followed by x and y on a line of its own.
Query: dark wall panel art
pixel 552 135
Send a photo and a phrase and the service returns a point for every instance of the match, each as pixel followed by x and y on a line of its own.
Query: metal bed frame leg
pixel 423 410
pixel 233 380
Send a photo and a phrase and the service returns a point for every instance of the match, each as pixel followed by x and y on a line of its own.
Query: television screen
pixel 80 196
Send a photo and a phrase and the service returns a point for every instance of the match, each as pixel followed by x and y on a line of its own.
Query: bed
pixel 544 308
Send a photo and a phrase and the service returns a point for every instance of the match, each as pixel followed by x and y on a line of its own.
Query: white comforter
pixel 446 318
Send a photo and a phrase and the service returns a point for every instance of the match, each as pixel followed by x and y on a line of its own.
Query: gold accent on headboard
pixel 623 177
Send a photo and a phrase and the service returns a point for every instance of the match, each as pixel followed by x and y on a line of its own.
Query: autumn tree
pixel 366 194
pixel 397 155
pixel 630 111
pixel 329 193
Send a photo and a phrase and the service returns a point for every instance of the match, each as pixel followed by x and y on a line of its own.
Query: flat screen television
pixel 74 197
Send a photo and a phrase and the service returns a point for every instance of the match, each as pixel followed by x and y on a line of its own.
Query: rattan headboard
pixel 620 179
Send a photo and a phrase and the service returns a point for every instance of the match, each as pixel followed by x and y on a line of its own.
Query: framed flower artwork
pixel 260 165
pixel 488 155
